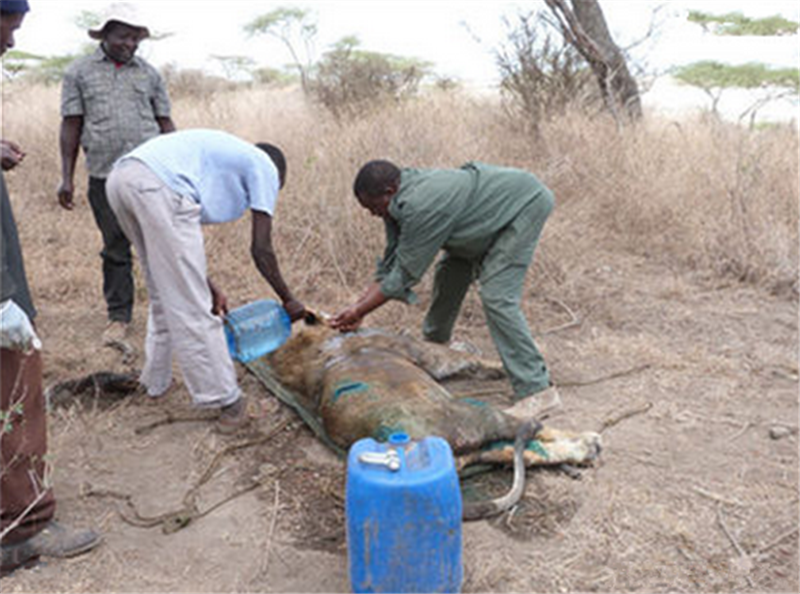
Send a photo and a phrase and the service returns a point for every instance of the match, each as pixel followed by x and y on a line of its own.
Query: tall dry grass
pixel 699 196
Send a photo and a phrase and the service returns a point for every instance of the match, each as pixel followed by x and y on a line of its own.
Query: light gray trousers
pixel 164 228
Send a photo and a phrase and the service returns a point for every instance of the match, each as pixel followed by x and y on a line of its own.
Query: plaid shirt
pixel 119 105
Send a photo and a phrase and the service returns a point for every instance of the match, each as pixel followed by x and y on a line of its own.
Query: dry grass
pixel 711 204
pixel 700 196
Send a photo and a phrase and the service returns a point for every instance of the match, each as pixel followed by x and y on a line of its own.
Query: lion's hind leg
pixel 552 447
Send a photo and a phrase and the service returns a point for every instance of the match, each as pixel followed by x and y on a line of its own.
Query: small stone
pixel 779 432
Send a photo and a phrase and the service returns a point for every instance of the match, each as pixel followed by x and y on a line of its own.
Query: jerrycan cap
pixel 399 439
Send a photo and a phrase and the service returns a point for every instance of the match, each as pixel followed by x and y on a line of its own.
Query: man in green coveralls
pixel 487 219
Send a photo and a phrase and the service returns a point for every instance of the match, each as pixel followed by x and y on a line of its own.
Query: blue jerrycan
pixel 403 509
pixel 255 329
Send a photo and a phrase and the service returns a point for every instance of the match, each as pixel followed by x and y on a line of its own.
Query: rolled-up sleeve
pixel 71 97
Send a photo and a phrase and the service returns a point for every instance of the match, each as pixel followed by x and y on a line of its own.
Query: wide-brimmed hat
pixel 120 12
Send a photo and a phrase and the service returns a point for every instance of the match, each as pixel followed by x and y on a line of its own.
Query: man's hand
pixel 295 309
pixel 65 193
pixel 10 155
pixel 219 302
pixel 347 320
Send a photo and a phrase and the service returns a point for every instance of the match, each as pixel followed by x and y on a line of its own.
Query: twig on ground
pixel 271 531
pixel 734 542
pixel 574 320
pixel 742 431
pixel 88 490
pixel 483 392
pixel 558 383
pixel 209 471
pixel 720 420
pixel 715 497
pixel 778 540
pixel 604 378
pixel 611 421
pixel 189 512
pixel 170 418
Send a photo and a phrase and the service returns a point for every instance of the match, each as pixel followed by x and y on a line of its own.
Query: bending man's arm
pixel 69 144
pixel 350 319
pixel 267 263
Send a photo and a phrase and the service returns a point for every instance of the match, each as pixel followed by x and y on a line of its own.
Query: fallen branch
pixel 271 532
pixel 611 421
pixel 170 419
pixel 604 378
pixel 778 540
pixel 558 383
pixel 483 392
pixel 735 544
pixel 175 520
pixel 235 447
pixel 715 497
pixel 574 319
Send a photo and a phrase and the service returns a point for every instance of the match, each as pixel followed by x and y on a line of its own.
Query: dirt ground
pixel 693 384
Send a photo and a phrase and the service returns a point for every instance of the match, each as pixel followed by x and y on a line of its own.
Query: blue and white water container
pixel 255 329
pixel 403 508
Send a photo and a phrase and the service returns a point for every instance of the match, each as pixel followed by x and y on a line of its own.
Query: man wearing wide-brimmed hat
pixel 111 102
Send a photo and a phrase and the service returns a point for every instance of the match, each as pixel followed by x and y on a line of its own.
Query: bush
pixel 189 82
pixel 542 78
pixel 348 81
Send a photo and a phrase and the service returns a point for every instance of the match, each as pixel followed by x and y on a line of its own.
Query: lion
pixel 372 383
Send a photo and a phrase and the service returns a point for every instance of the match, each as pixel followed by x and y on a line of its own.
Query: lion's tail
pixel 485 509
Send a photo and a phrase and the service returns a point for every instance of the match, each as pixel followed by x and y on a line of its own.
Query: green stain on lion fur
pixel 348 388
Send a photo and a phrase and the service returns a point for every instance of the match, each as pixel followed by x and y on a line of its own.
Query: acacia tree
pixel 736 24
pixel 714 78
pixel 584 26
pixel 296 30
pixel 233 67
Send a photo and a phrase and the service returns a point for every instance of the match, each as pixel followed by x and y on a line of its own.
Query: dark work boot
pixel 54 540
pixel 57 540
pixel 14 556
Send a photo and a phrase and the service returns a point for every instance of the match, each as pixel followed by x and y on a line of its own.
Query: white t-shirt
pixel 219 171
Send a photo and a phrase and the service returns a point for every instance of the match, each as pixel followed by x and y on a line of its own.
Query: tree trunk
pixel 584 26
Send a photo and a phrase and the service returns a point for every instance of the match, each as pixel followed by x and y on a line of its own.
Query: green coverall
pixel 487 219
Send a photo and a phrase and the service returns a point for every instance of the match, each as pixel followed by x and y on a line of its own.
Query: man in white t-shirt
pixel 162 192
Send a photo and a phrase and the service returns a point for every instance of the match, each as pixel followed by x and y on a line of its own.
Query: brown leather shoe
pixel 233 417
pixel 57 540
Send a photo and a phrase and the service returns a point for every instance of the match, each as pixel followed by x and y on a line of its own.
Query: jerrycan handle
pixel 390 459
